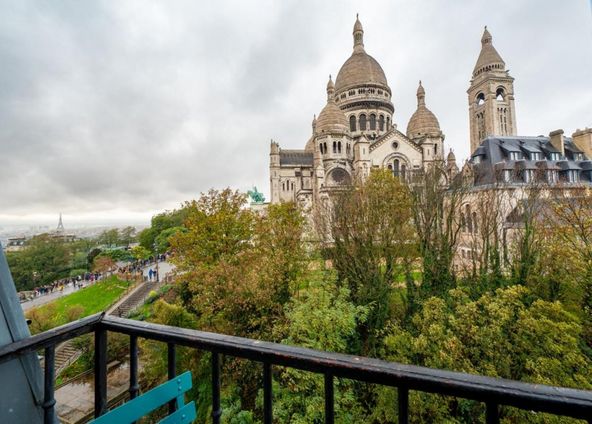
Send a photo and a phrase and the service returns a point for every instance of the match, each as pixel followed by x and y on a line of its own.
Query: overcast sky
pixel 119 109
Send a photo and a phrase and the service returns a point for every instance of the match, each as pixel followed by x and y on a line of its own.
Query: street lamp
pixel 156 259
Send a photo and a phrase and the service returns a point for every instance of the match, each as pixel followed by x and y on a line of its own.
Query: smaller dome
pixel 451 157
pixel 331 119
pixel 423 121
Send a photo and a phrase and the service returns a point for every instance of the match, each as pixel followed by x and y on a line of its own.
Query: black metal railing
pixel 493 392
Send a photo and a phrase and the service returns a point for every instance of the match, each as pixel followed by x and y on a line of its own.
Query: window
pixel 352 123
pixel 381 123
pixel 283 186
pixel 334 147
pixel 528 175
pixel 339 147
pixel 481 125
pixel 552 176
pixel 554 156
pixel 475 228
pixel 469 221
pixel 463 222
pixel 396 165
pixel 507 175
pixel 515 155
pixel 363 122
pixel 572 176
pixel 373 122
pixel 321 148
pixel 480 99
pixel 388 122
pixel 535 156
pixel 477 160
pixel 403 172
pixel 499 94
pixel 578 156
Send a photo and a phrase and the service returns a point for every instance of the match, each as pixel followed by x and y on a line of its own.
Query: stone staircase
pixel 65 354
pixel 134 300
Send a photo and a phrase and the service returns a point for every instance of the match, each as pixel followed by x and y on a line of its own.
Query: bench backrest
pixel 153 399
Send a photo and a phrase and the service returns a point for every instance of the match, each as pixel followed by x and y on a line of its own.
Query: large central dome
pixel 360 68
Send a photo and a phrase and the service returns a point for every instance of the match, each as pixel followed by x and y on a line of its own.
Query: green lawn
pixel 87 301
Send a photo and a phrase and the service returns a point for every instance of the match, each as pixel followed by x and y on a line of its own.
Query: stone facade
pixel 354 133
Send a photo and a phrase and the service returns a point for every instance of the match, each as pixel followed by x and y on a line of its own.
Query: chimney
pixel 557 140
pixel 583 139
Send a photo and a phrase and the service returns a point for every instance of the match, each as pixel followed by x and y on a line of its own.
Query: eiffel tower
pixel 60 228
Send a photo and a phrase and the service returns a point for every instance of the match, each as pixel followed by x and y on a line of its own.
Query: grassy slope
pixel 93 299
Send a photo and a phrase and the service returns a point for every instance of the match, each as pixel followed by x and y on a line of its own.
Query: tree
pixel 159 223
pixel 239 269
pixel 43 260
pixel 506 333
pixel 371 242
pixel 109 237
pixel 140 253
pixel 127 235
pixel 436 208
pixel 162 241
pixel 103 263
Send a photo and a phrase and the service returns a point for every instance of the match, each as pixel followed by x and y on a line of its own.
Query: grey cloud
pixel 137 106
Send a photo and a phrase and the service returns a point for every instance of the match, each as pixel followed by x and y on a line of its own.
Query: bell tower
pixel 491 95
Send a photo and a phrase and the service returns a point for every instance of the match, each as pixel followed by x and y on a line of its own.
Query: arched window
pixel 381 123
pixel 403 172
pixel 352 123
pixel 283 186
pixel 372 121
pixel 388 122
pixel 475 222
pixel 499 94
pixel 396 167
pixel 339 147
pixel 469 221
pixel 334 147
pixel 321 148
pixel 463 222
pixel 325 147
pixel 363 122
pixel 292 185
pixel 480 98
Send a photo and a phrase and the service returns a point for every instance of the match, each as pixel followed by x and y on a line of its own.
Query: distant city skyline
pixel 114 111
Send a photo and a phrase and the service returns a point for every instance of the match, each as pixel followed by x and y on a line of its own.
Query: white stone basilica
pixel 354 133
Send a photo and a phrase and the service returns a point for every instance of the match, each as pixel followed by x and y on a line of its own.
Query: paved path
pixel 164 268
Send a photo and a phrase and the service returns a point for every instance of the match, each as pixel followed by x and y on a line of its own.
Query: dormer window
pixel 578 156
pixel 515 156
pixel 477 160
pixel 507 175
pixel 554 156
pixel 535 156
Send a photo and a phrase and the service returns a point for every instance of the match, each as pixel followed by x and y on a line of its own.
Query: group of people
pixel 74 282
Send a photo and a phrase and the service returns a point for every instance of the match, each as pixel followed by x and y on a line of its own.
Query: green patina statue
pixel 256 196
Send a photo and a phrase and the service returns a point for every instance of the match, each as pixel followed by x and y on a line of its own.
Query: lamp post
pixel 156 259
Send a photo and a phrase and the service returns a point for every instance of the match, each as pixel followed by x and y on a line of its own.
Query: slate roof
pixel 296 158
pixel 495 154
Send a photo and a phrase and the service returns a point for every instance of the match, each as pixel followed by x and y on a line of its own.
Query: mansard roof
pixel 296 158
pixel 517 153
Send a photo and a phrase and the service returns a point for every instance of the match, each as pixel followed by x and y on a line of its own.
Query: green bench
pixel 159 396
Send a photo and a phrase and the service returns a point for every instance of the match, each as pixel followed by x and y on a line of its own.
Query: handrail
pixel 50 337
pixel 492 391
pixel 538 397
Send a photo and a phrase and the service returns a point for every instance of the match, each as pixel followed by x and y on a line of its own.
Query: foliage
pixel 103 263
pixel 505 334
pixel 322 318
pixel 44 260
pixel 373 241
pixel 162 241
pixel 140 252
pixel 159 223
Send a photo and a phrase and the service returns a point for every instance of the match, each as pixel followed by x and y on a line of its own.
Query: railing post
pixel 492 413
pixel 216 411
pixel 329 399
pixel 267 394
pixel 134 387
pixel 100 372
pixel 172 372
pixel 49 378
pixel 403 399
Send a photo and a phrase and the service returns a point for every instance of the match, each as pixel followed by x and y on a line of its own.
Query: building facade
pixel 354 133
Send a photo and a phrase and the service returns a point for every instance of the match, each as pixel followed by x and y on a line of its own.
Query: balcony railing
pixel 493 392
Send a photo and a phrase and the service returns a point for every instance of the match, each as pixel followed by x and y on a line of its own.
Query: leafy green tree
pixel 322 318
pixel 43 260
pixel 162 241
pixel 109 237
pixel 159 223
pixel 371 242
pixel 140 252
pixel 506 333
